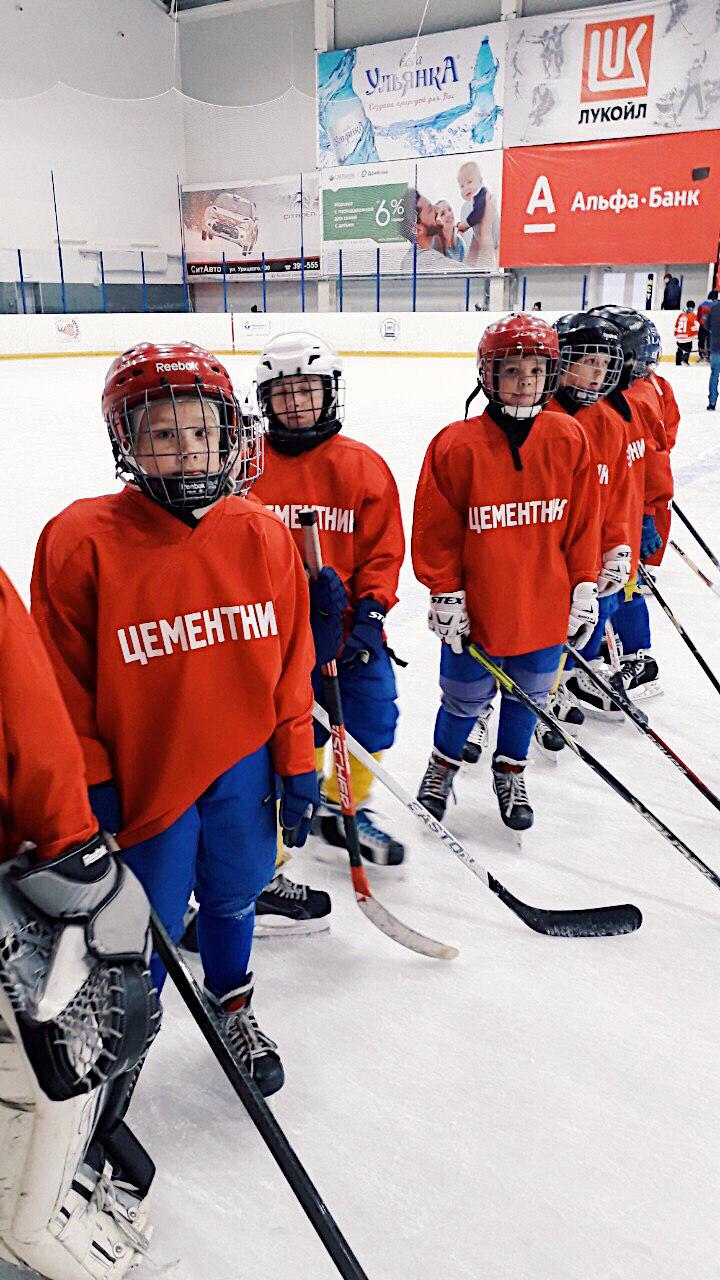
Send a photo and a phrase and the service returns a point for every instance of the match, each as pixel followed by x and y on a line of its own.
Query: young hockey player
pixel 176 617
pixel 591 362
pixel 308 464
pixel 73 929
pixel 505 536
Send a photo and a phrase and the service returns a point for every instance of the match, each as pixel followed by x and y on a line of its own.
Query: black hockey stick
pixel 369 905
pixel 701 542
pixel 695 568
pixel 597 767
pixel 641 721
pixel 583 922
pixel 649 582
pixel 257 1108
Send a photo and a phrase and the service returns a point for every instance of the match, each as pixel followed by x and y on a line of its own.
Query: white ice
pixel 537 1109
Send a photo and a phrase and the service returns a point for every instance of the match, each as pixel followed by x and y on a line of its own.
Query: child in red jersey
pixel 687 327
pixel 505 536
pixel 176 617
pixel 309 464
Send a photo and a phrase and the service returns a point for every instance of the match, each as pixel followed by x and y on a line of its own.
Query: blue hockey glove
pixel 365 642
pixel 105 803
pixel 299 800
pixel 328 602
pixel 650 539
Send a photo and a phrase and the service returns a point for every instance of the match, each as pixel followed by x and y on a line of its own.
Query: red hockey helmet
pixel 176 427
pixel 509 347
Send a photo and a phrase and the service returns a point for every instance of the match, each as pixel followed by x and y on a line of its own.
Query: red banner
pixel 635 200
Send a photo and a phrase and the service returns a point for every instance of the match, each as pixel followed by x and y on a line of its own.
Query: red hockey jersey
pixel 671 421
pixel 43 791
pixel 179 651
pixel 518 542
pixel 356 498
pixel 605 431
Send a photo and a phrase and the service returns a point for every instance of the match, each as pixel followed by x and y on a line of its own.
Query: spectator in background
pixel 703 332
pixel 537 306
pixel 671 294
pixel 713 328
pixel 686 328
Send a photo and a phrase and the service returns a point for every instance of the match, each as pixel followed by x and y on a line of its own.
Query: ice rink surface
pixel 538 1109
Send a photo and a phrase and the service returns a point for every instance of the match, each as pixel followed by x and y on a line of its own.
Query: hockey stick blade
pixel 590 922
pixel 388 924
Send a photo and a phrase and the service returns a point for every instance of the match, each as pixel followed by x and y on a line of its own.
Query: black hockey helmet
pixel 639 340
pixel 591 356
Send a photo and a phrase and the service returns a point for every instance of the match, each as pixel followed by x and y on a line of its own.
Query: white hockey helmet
pixel 311 412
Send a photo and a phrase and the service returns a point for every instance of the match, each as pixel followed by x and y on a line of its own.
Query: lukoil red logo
pixel 616 59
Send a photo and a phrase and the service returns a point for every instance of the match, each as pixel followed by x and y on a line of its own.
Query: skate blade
pixel 332 856
pixel 551 757
pixel 605 717
pixel 653 689
pixel 279 927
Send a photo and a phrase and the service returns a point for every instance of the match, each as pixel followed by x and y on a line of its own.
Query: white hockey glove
pixel 90 886
pixel 583 614
pixel 448 618
pixel 615 572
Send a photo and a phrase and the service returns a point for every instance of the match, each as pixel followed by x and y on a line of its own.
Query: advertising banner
pixel 636 200
pixel 437 95
pixel 621 70
pixel 245 220
pixel 442 212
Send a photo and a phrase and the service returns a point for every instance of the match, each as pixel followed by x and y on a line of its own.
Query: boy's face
pixel 521 380
pixel 587 373
pixel 297 401
pixel 178 438
pixel 470 180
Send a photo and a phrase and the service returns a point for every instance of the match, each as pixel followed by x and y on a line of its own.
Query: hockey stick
pixel 597 767
pixel 257 1108
pixel 692 565
pixel 649 582
pixel 641 721
pixel 374 910
pixel 616 684
pixel 593 922
pixel 701 542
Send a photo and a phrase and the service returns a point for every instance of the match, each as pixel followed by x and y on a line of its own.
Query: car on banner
pixel 232 217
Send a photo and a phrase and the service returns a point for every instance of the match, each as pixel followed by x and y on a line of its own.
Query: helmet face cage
pixel 302 409
pixel 649 350
pixel 583 371
pixel 185 446
pixel 490 368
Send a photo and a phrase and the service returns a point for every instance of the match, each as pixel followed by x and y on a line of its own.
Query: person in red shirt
pixel 687 327
pixel 591 362
pixel 506 538
pixel 308 463
pixel 176 617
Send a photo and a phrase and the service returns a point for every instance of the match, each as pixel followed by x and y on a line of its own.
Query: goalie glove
pixel 583 614
pixel 615 572
pixel 448 618
pixel 90 886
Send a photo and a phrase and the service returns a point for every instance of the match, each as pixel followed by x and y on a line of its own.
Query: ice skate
pixel 478 739
pixel 509 787
pixel 256 1051
pixel 641 676
pixel 437 784
pixel 563 706
pixel 289 910
pixel 377 846
pixel 590 698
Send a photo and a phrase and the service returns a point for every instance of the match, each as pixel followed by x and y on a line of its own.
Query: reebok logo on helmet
pixel 176 366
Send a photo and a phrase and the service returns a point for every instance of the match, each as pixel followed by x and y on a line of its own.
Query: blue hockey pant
pixel 632 624
pixel 369 702
pixel 223 849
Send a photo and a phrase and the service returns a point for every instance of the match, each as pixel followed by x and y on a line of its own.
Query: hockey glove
pixel 299 800
pixel 105 803
pixel 365 642
pixel 448 619
pixel 650 538
pixel 615 572
pixel 328 602
pixel 91 886
pixel 583 614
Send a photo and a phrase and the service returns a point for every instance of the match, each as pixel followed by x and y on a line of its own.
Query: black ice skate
pixel 590 698
pixel 288 909
pixel 437 783
pixel 256 1051
pixel 509 787
pixel 376 846
pixel 566 710
pixel 641 676
pixel 477 740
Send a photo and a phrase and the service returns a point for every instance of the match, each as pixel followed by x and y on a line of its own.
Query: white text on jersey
pixel 510 515
pixel 635 451
pixel 331 519
pixel 148 640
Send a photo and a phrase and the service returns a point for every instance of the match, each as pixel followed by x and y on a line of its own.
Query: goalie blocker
pixel 77 1016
